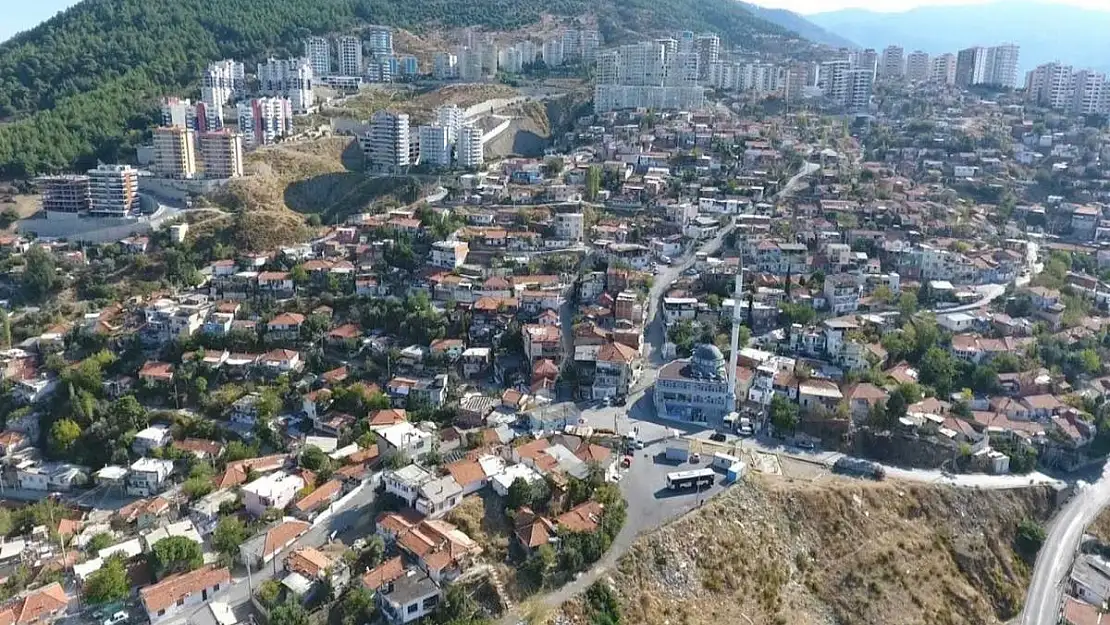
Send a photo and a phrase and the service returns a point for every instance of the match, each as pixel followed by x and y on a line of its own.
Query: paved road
pixel 1043 600
pixel 989 293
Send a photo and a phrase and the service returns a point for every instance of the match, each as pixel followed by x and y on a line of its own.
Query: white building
pixel 221 83
pixel 404 438
pixel 318 52
pixel 470 150
pixel 435 149
pixel 154 437
pixel 918 66
pixel 1000 66
pixel 553 52
pixel 275 490
pixel 386 144
pixel 113 190
pixel 944 70
pixel 148 476
pixel 449 254
pixel 616 97
pixel 1090 93
pixel 445 66
pixel 180 594
pixel 452 118
pixel 409 598
pixel 379 41
pixel 262 121
pixel 893 63
pixel 570 227
pixel 349 53
pixel 406 482
pixel 289 78
pixel 1051 85
pixel 971 66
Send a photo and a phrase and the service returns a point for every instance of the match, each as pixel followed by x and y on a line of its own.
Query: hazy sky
pixel 892 6
pixel 19 15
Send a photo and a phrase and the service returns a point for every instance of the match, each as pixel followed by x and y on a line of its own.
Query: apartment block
pixel 918 67
pixel 185 114
pixel 386 144
pixel 708 51
pixel 1051 85
pixel 262 121
pixel 348 51
pixel 971 66
pixel 470 151
pixel 435 146
pixel 221 154
pixel 1000 66
pixel 379 41
pixel 553 52
pixel 289 78
pixel 64 194
pixel 445 66
pixel 893 63
pixel 944 70
pixel 175 153
pixel 318 52
pixel 113 190
pixel 221 83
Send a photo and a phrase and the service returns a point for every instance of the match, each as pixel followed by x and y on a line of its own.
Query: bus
pixel 686 479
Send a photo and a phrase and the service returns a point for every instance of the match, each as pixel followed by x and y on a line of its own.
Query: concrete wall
pixel 178 189
pixel 93 229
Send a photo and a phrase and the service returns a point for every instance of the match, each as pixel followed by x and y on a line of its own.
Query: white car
pixel 117 618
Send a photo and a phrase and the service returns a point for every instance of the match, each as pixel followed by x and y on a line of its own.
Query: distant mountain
pixel 799 24
pixel 1045 32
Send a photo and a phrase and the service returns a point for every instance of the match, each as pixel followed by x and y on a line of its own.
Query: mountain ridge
pixel 798 23
pixel 1077 37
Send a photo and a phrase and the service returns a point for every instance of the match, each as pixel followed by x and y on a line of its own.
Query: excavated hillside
pixel 843 552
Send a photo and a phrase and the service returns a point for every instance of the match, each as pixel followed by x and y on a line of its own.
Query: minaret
pixel 734 353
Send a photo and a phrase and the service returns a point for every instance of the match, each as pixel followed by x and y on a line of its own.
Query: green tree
pixel 5 330
pixel 784 414
pixel 907 304
pixel 39 273
pixel 63 435
pixel 100 541
pixel 938 369
pixel 289 614
pixel 229 535
pixel 314 459
pixel 108 584
pixel 520 494
pixel 176 554
pixel 593 182
pixel 268 593
pixel 355 607
pixel 1029 538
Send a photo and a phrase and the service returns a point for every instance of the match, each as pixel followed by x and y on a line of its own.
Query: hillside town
pixel 450 402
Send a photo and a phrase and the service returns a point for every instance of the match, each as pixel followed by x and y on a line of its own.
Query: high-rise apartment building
pixel 451 118
pixel 64 194
pixel 221 83
pixel 221 154
pixel 435 148
pixel 553 52
pixel 1051 85
pixel 1000 65
pixel 571 48
pixel 686 41
pixel 262 121
pixel 608 67
pixel 175 153
pixel 670 45
pixel 348 51
pixel 893 63
pixel 184 114
pixel 469 149
pixel 113 190
pixel 861 81
pixel 510 60
pixel 386 144
pixel 918 66
pixel 646 77
pixel 469 64
pixel 709 52
pixel 868 60
pixel 445 66
pixel 795 82
pixel 489 52
pixel 589 43
pixel 971 65
pixel 289 78
pixel 379 41
pixel 318 52
pixel 1090 93
pixel 833 80
pixel 681 70
pixel 944 70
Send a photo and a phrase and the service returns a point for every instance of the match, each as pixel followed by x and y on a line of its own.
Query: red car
pixel 626 462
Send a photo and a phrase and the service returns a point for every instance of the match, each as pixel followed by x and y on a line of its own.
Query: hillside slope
pixel 799 24
pixel 836 552
pixel 1077 36
pixel 83 85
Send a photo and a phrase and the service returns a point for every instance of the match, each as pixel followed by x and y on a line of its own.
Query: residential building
pixel 470 149
pixel 918 66
pixel 445 66
pixel 65 194
pixel 154 437
pixel 1050 85
pixel 893 64
pixel 842 293
pixel 694 389
pixel 318 52
pixel 570 227
pixel 410 597
pixel 221 154
pixel 221 83
pixel 275 490
pixel 175 153
pixel 349 54
pixel 148 476
pixel 293 79
pixel 449 254
pixel 41 606
pixel 386 144
pixel 174 595
pixel 263 121
pixel 379 41
pixel 944 69
pixel 1000 66
pixel 1090 93
pixel 113 190
pixel 708 48
pixel 406 482
pixel 970 66
pixel 404 438
pixel 435 146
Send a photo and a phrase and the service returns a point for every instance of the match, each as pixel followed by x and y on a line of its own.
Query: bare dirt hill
pixel 841 552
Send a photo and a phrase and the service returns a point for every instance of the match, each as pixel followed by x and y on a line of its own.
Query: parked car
pixel 695 458
pixel 117 618
pixel 626 462
pixel 717 436
pixel 620 400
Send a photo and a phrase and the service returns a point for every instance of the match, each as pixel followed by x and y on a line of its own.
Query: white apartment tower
pixel 175 153
pixel 387 142
pixel 318 52
pixel 445 66
pixel 221 154
pixel 221 83
pixel 833 80
pixel 1090 93
pixel 1051 85
pixel 289 78
pixel 687 41
pixel 113 190
pixel 469 149
pixel 589 43
pixel 893 64
pixel 1000 66
pixel 553 52
pixel 572 50
pixel 451 118
pixel 944 70
pixel 971 67
pixel 348 51
pixel 379 41
pixel 469 64
pixel 860 83
pixel 262 121
pixel 608 68
pixel 918 67
pixel 435 148
pixel 868 60
pixel 709 52
pixel 681 70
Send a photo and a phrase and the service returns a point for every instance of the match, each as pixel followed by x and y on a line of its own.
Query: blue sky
pixel 20 15
pixel 894 6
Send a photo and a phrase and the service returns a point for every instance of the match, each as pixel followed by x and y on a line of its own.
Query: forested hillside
pixel 83 85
